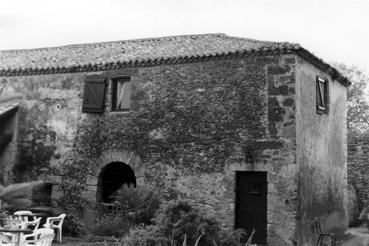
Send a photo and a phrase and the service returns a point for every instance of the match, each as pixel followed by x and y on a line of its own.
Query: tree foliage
pixel 357 99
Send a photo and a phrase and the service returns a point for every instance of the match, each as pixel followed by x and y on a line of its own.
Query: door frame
pixel 236 181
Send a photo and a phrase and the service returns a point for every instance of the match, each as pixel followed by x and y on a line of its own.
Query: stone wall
pixel 8 150
pixel 358 171
pixel 190 128
pixel 48 117
pixel 321 155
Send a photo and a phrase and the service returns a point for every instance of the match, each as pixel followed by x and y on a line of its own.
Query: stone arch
pixel 129 158
pixel 111 178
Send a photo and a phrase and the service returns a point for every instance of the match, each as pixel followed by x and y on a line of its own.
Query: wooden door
pixel 251 204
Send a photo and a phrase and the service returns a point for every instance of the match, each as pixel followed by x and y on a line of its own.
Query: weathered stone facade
pixel 8 135
pixel 358 174
pixel 321 154
pixel 270 104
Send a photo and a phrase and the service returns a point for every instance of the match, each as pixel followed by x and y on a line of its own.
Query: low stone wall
pixel 358 170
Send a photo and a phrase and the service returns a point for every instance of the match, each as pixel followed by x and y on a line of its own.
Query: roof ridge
pixel 143 52
pixel 94 44
pixel 259 40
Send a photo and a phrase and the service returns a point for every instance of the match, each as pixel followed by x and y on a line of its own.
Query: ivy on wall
pixel 193 120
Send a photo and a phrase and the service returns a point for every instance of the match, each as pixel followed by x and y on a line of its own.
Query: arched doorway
pixel 112 177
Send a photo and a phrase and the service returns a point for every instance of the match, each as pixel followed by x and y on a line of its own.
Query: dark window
pixel 94 94
pixel 121 90
pixel 322 95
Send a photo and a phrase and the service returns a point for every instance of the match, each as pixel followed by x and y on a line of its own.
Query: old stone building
pixel 253 131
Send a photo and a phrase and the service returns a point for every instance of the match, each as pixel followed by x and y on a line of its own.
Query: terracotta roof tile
pixel 139 52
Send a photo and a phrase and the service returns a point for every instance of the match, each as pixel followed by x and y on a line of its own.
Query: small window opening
pixel 121 94
pixel 322 95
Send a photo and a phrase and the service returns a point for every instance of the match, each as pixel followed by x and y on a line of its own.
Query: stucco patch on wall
pixel 321 154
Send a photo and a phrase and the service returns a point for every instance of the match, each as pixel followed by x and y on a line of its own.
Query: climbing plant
pixel 184 121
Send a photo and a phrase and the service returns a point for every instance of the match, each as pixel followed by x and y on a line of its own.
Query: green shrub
pixel 193 225
pixel 178 223
pixel 106 225
pixel 110 226
pixel 72 226
pixel 138 203
pixel 73 206
pixel 230 237
pixel 148 235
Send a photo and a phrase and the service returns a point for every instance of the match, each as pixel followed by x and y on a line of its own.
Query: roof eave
pixel 309 57
pixel 303 53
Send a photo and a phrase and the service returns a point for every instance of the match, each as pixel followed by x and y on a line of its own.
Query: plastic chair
pixel 19 214
pixel 46 239
pixel 33 225
pixel 11 223
pixel 56 223
pixel 5 240
pixel 322 235
pixel 41 237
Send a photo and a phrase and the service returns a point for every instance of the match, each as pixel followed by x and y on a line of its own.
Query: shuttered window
pixel 94 93
pixel 121 94
pixel 322 96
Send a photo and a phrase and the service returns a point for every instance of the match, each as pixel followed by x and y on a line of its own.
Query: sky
pixel 334 30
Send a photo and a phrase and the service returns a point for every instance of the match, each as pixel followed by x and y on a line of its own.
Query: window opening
pixel 121 94
pixel 322 95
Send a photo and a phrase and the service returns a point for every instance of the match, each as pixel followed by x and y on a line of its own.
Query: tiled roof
pixel 143 52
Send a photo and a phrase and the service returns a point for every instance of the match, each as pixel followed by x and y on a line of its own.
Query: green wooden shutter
pixel 94 94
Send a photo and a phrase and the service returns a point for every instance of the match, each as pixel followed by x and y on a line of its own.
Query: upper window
pixel 121 91
pixel 322 95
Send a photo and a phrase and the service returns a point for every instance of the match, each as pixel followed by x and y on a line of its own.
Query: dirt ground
pixel 353 237
pixel 71 241
pixel 356 237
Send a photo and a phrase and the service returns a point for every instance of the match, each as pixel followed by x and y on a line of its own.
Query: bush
pixel 145 236
pixel 72 226
pixel 110 226
pixel 182 219
pixel 73 207
pixel 179 220
pixel 138 203
pixel 230 237
pixel 133 206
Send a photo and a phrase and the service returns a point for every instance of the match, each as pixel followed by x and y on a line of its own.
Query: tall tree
pixel 357 99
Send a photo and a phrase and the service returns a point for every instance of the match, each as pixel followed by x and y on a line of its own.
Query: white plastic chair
pixel 41 237
pixel 19 214
pixel 5 240
pixel 6 236
pixel 33 225
pixel 56 223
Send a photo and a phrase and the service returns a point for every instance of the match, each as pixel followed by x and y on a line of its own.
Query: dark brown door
pixel 251 204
